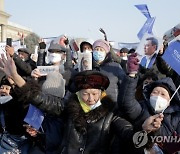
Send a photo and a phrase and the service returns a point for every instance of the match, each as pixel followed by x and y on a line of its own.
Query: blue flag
pixel 128 45
pixel 34 117
pixel 172 56
pixel 144 10
pixel 147 27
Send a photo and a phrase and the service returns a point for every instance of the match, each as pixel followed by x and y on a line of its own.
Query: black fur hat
pixel 90 80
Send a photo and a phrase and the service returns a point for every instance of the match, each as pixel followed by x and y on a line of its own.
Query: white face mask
pixel 54 57
pixel 124 58
pixel 5 99
pixel 96 105
pixel 87 51
pixel 158 103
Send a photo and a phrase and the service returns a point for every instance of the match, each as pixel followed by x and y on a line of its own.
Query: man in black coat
pixel 23 62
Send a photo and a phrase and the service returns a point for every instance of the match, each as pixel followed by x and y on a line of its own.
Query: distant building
pixel 9 29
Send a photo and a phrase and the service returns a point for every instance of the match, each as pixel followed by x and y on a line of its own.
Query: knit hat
pixel 166 83
pixel 165 87
pixel 55 46
pixel 102 43
pixel 54 85
pixel 90 80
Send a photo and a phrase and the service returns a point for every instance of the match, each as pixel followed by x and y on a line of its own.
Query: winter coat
pixel 137 112
pixel 14 113
pixel 87 133
pixel 24 68
pixel 114 72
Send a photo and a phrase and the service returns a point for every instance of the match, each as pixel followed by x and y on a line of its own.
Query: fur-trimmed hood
pixel 80 118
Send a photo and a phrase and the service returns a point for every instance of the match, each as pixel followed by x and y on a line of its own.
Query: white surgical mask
pixel 87 51
pixel 54 57
pixel 5 99
pixel 124 58
pixel 95 105
pixel 158 103
pixel 98 55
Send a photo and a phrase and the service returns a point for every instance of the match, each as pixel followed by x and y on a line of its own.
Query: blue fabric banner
pixel 172 56
pixel 34 117
pixel 144 10
pixel 147 27
pixel 128 45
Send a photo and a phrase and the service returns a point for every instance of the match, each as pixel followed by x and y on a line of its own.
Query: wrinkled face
pixel 149 49
pixel 90 96
pixel 5 90
pixel 160 91
pixel 24 56
pixel 86 47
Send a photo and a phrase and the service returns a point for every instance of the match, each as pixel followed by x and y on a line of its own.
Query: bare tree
pixel 31 41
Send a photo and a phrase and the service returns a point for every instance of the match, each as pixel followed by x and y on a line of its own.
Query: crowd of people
pixel 120 106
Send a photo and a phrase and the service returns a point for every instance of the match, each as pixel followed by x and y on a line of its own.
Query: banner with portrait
pixel 84 61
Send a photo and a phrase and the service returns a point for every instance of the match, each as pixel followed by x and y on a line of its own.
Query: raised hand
pixel 132 64
pixel 36 73
pixel 8 66
pixel 102 31
pixel 9 50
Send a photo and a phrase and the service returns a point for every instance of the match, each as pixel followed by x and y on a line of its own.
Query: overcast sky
pixel 83 18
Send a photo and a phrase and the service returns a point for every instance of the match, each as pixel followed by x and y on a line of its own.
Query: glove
pixel 42 45
pixel 66 42
pixel 132 64
pixel 63 41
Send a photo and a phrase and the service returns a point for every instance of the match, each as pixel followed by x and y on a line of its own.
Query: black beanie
pixel 165 87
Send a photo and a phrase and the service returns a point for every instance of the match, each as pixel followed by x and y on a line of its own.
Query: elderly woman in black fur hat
pixel 90 119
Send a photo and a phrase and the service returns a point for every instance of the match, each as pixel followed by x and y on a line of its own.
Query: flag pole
pixel 173 95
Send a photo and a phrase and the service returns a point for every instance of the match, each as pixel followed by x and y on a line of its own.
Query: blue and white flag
pixel 147 27
pixel 172 56
pixel 34 117
pixel 144 10
pixel 128 45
